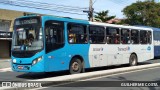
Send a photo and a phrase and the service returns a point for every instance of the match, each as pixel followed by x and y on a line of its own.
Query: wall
pixel 9 15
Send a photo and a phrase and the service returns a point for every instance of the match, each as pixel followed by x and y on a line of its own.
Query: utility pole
pixel 90 11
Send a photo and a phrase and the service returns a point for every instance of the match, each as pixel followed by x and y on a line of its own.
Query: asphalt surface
pixel 102 83
pixel 5 63
pixel 20 76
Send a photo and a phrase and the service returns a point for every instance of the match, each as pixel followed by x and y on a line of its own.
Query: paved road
pixel 5 63
pixel 19 76
pixel 94 84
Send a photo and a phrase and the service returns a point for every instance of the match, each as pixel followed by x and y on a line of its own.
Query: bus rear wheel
pixel 75 66
pixel 133 60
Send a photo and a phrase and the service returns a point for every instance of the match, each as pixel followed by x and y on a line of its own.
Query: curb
pixel 77 77
pixel 87 75
pixel 5 69
pixel 5 60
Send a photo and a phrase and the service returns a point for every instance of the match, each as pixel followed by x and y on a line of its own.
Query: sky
pixel 114 6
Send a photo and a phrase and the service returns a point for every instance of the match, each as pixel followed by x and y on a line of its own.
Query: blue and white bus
pixel 48 44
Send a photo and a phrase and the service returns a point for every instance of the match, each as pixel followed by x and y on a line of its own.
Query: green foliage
pixel 103 16
pixel 143 13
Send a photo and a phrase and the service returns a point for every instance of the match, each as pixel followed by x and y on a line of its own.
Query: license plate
pixel 20 67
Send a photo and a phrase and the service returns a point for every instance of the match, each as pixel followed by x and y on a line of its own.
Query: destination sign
pixel 26 21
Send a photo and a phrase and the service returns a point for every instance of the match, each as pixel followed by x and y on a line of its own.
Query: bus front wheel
pixel 133 60
pixel 75 66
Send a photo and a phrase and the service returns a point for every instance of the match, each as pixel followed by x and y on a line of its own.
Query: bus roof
pixel 49 17
pixel 153 28
pixel 119 26
pixel 67 19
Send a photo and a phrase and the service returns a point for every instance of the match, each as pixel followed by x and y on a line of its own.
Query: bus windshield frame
pixel 27 34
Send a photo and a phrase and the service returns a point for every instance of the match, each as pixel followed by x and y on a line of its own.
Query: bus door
pixel 54 31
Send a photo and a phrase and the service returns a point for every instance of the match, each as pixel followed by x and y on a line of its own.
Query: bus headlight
pixel 14 61
pixel 36 60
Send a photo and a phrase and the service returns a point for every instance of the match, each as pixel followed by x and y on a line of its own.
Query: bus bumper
pixel 39 67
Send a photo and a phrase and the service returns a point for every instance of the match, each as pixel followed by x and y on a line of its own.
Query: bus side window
pixel 125 37
pixel 134 36
pixel 77 33
pixel 108 39
pixel 143 37
pixel 149 36
pixel 97 34
pixel 113 36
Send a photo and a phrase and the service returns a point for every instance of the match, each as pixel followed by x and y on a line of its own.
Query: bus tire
pixel 75 66
pixel 83 67
pixel 133 60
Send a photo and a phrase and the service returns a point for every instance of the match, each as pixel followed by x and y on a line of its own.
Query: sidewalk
pixel 5 63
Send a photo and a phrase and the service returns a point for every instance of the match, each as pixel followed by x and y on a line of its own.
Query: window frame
pixel 149 42
pixel 111 36
pixel 85 34
pixel 138 36
pixel 142 37
pixel 122 36
pixel 104 32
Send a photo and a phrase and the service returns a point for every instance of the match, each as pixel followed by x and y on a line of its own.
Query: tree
pixel 143 13
pixel 103 16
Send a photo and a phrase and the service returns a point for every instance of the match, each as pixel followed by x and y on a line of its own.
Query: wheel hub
pixel 75 66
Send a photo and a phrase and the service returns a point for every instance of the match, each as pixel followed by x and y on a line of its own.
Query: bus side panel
pixel 112 54
pixel 60 59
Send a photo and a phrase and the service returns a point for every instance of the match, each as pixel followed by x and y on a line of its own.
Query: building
pixel 6 27
pixel 113 21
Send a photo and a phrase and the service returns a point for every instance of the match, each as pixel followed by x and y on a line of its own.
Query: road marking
pixel 5 69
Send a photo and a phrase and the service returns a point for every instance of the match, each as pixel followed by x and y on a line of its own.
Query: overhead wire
pixel 52 4
pixel 43 6
pixel 47 5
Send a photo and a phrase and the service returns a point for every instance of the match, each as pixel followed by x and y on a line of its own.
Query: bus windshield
pixel 27 35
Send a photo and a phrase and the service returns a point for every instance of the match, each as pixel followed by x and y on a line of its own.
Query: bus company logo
pixel 124 49
pixel 97 49
pixel 149 48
